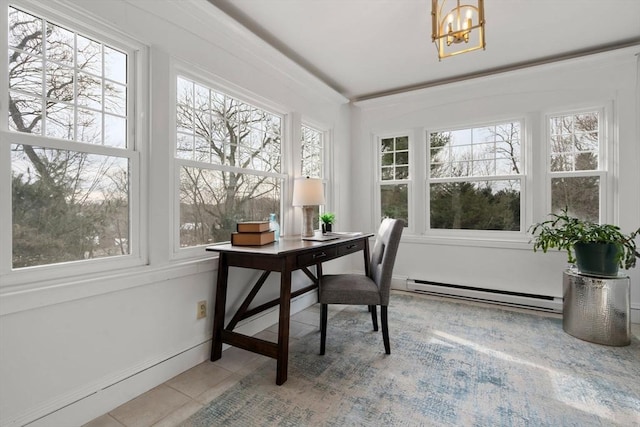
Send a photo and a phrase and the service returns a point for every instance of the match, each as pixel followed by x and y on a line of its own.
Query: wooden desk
pixel 285 256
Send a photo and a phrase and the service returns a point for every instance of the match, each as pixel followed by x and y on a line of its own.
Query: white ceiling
pixel 366 48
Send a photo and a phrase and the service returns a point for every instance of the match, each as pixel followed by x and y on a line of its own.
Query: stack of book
pixel 253 233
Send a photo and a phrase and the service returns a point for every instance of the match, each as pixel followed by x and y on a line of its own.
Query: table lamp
pixel 308 192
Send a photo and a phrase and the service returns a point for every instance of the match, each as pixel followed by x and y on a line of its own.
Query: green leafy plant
pixel 563 231
pixel 328 218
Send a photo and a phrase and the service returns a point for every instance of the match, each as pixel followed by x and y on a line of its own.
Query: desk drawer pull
pixel 351 246
pixel 320 255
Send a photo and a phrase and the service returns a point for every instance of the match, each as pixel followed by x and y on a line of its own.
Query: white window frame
pixel 377 199
pixel 219 84
pixel 137 102
pixel 326 167
pixel 479 235
pixel 606 165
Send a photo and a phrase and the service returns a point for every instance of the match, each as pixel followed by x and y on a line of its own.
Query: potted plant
pixel 327 219
pixel 596 249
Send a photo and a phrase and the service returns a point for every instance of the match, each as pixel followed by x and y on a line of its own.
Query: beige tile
pixel 267 335
pixel 104 421
pixel 198 379
pixel 234 359
pixel 150 407
pixel 309 316
pixel 179 415
pixel 218 389
pixel 296 329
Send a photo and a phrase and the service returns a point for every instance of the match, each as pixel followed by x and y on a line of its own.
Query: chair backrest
pixel 383 256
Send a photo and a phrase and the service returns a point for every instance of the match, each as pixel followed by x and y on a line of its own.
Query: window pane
pixel 115 65
pixel 476 151
pixel 26 74
pixel 25 31
pixel 581 195
pixel 115 98
pixel 395 202
pixel 394 158
pixel 487 205
pixel 312 152
pixel 115 131
pixel 212 202
pixel 60 44
pixel 26 114
pixel 89 55
pixel 67 206
pixel 574 142
pixel 75 93
pixel 89 126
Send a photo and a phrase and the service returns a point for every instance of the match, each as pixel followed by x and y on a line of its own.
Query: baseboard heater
pixel 514 299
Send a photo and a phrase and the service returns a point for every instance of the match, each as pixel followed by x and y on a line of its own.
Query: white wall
pixel 75 338
pixel 608 78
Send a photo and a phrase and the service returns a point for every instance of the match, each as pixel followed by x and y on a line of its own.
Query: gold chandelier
pixel 457 28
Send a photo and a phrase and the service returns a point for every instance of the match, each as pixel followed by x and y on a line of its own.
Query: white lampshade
pixel 308 192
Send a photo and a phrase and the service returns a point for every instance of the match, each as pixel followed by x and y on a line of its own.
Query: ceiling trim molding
pixel 500 70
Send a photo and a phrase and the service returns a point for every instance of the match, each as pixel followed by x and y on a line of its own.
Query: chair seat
pixel 356 289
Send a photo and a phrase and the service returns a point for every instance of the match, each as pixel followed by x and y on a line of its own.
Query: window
pixel 312 160
pixel 475 178
pixel 394 178
pixel 576 166
pixel 312 141
pixel 228 154
pixel 70 145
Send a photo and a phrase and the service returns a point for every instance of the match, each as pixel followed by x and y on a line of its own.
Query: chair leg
pixel 323 327
pixel 385 329
pixel 374 316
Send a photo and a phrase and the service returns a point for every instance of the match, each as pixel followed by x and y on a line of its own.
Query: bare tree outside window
pixel 574 164
pixel 229 154
pixel 475 178
pixel 70 91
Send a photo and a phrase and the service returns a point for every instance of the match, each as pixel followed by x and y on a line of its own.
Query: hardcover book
pixel 253 239
pixel 252 226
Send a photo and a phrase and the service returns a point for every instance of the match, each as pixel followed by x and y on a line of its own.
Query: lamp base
pixel 307 221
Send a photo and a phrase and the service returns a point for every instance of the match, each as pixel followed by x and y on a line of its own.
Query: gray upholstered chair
pixel 360 289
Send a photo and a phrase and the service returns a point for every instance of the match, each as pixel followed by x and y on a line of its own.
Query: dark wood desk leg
pixel 367 257
pixel 283 324
pixel 220 305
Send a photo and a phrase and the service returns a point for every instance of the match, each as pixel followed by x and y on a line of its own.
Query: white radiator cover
pixel 530 301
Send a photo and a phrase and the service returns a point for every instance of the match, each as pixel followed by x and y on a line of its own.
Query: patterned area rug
pixel 451 364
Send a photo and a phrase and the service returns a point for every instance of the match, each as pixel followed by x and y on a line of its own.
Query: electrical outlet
pixel 202 310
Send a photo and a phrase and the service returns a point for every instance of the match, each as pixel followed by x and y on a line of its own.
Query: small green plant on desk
pixel 327 219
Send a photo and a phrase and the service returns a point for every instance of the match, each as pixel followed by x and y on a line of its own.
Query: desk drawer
pixel 315 257
pixel 350 247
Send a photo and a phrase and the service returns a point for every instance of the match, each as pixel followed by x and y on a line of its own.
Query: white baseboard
pixel 81 406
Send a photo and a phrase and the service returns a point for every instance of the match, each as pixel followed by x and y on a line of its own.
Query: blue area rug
pixel 451 364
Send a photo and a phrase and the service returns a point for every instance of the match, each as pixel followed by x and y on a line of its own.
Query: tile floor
pixel 177 399
pixel 169 404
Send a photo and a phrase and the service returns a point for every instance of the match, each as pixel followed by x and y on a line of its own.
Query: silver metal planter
pixel 597 309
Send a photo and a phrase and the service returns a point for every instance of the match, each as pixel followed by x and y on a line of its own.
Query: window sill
pixel 49 292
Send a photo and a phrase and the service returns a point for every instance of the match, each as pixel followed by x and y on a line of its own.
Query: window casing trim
pixel 607 163
pixel 213 82
pixel 35 277
pixel 523 177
